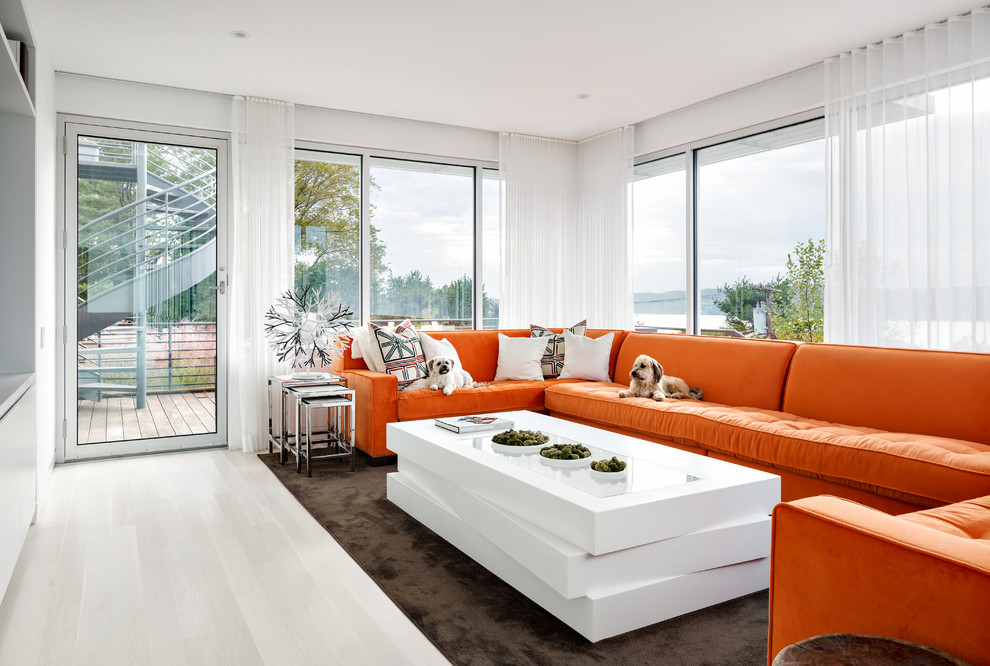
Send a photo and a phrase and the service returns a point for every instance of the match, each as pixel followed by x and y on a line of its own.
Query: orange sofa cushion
pixel 945 394
pixel 838 567
pixel 497 397
pixel 749 373
pixel 969 519
pixel 922 470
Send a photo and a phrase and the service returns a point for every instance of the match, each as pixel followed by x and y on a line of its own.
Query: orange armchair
pixel 840 567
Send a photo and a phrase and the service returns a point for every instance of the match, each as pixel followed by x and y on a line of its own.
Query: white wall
pixel 46 252
pixel 787 95
pixel 106 98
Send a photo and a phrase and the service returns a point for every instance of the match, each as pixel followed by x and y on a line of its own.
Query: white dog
pixel 648 381
pixel 441 374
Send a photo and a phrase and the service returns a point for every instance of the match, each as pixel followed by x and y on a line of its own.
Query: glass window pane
pixel 491 194
pixel 761 230
pixel 422 258
pixel 328 225
pixel 659 239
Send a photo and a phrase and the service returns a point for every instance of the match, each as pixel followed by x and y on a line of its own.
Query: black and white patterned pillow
pixel 401 352
pixel 553 357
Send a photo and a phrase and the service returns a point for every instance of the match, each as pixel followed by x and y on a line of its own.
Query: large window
pixel 761 234
pixel 423 268
pixel 328 225
pixel 758 229
pixel 395 238
pixel 660 245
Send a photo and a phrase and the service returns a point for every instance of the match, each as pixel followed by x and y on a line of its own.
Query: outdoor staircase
pixel 140 254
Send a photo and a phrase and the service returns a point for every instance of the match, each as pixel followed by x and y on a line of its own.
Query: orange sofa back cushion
pixel 743 373
pixel 940 393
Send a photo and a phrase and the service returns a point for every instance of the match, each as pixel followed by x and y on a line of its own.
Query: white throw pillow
pixel 364 346
pixel 520 358
pixel 586 358
pixel 433 348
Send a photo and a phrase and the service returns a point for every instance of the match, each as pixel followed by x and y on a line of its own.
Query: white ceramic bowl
pixel 566 464
pixel 607 476
pixel 516 450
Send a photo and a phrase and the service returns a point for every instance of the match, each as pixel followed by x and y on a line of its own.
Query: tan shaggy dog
pixel 648 381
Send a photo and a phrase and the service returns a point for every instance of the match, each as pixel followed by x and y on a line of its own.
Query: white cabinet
pixel 17 194
pixel 18 424
pixel 18 456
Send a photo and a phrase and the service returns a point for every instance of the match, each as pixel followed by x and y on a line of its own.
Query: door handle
pixel 221 287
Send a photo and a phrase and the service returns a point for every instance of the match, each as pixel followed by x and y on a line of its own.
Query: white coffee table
pixel 679 532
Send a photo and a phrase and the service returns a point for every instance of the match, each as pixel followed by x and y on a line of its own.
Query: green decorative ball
pixel 606 465
pixel 520 438
pixel 565 452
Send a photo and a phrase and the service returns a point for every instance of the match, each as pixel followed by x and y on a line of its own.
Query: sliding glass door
pixel 144 286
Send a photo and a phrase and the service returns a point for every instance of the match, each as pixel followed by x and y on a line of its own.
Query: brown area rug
pixel 475 618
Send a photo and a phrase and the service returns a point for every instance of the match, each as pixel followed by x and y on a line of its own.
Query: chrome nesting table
pixel 293 431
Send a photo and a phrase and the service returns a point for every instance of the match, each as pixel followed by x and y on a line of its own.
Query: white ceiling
pixel 504 65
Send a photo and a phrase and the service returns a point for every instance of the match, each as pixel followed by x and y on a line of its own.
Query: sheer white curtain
pixel 260 257
pixel 539 231
pixel 605 165
pixel 566 232
pixel 908 165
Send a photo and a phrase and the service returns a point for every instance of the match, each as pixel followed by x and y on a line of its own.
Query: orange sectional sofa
pixel 900 431
pixel 894 429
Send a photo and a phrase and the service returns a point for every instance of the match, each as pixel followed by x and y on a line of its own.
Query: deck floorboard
pixel 116 418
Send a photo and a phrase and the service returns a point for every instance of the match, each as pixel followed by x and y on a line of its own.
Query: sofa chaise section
pixel 840 430
pixel 839 567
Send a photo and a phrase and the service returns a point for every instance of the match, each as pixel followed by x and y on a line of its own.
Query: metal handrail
pixel 163 378
pixel 158 215
pixel 114 149
pixel 156 223
pixel 146 199
pixel 95 278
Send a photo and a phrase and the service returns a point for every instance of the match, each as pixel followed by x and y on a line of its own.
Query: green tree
pixel 411 294
pixel 740 297
pixel 802 315
pixel 455 301
pixel 328 231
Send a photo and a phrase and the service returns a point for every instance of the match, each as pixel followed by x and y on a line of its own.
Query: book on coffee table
pixel 473 423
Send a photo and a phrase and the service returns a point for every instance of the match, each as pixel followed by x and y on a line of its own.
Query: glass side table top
pixel 639 475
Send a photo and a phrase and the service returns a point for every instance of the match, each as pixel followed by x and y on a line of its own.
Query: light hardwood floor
pixel 192 558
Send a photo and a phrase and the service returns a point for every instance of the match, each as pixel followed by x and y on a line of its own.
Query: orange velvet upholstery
pixel 747 373
pixel 945 394
pixel 918 469
pixel 497 397
pixel 374 407
pixel 838 567
pixel 863 446
pixel 797 485
pixel 380 402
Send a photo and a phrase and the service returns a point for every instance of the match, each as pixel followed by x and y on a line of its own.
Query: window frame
pixel 366 155
pixel 690 151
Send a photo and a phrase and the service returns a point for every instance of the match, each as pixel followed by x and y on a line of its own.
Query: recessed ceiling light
pixel 239 34
pixel 582 96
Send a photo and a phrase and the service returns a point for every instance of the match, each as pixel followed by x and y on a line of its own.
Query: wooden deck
pixel 116 419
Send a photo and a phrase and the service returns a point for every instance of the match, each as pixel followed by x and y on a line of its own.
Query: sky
pixel 426 221
pixel 752 211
